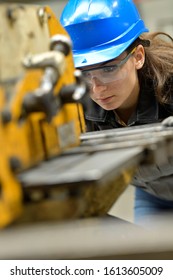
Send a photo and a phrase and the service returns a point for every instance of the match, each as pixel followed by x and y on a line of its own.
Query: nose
pixel 97 86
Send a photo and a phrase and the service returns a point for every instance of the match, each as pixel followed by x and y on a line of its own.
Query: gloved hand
pixel 168 121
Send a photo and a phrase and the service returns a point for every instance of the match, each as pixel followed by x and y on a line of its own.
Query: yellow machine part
pixel 11 193
pixel 33 139
pixel 69 112
pixel 28 140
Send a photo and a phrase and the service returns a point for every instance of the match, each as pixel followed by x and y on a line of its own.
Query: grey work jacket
pixel 157 180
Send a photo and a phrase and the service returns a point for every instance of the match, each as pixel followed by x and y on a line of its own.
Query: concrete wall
pixel 157 15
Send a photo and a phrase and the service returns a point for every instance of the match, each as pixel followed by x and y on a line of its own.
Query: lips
pixel 105 100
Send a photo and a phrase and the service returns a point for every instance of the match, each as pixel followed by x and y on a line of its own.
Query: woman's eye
pixel 86 74
pixel 110 69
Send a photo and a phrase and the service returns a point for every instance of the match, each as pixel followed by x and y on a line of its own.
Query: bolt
pixel 6 116
pixel 61 43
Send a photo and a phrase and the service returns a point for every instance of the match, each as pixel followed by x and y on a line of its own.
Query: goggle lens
pixel 108 73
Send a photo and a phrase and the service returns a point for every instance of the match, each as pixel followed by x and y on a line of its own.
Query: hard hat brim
pixel 103 53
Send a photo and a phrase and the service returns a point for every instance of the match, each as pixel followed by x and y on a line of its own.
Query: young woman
pixel 130 74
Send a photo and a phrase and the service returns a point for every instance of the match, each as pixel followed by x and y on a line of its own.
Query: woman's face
pixel 116 88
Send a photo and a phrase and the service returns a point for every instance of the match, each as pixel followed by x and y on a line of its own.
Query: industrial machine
pixel 50 168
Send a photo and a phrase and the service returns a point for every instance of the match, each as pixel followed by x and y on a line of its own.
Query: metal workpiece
pixel 156 139
pixel 84 167
pixel 139 130
pixel 76 186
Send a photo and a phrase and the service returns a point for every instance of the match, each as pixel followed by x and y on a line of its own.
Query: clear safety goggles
pixel 108 73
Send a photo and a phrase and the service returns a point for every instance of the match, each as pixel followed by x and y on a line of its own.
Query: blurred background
pixel 157 14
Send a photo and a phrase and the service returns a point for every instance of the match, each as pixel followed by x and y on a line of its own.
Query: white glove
pixel 168 121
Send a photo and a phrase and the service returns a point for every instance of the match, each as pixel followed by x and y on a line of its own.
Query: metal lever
pixel 75 92
pixel 54 65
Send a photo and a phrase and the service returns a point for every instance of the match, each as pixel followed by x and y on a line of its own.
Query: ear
pixel 139 56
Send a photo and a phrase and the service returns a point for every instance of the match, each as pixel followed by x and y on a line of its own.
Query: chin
pixel 109 107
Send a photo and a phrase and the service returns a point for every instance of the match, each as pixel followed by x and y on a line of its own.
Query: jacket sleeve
pixel 156 179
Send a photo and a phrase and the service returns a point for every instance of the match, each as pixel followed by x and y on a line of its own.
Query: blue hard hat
pixel 101 29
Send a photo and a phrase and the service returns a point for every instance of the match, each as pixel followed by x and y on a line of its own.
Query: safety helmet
pixel 101 29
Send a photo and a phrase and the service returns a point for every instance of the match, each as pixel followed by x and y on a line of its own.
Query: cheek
pixel 91 94
pixel 133 79
pixel 132 76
